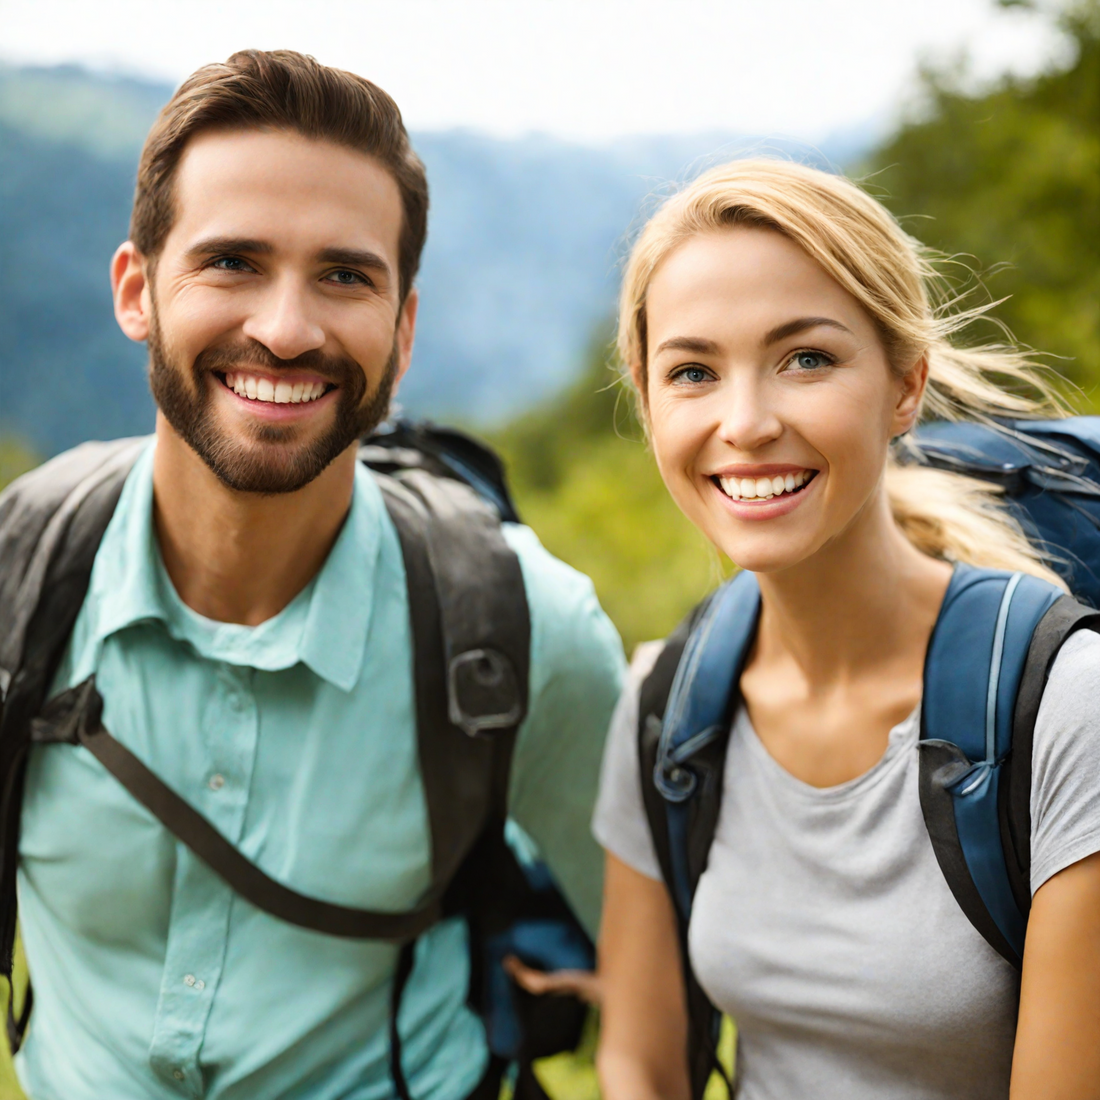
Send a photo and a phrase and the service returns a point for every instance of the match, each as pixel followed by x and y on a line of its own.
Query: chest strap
pixel 74 717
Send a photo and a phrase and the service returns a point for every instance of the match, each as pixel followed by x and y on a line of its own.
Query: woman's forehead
pixel 743 278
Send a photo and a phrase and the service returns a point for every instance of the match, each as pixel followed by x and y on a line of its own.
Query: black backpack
pixel 447 496
pixel 988 660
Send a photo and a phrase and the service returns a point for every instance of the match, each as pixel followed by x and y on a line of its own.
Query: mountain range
pixel 525 239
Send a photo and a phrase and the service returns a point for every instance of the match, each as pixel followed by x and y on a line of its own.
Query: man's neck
pixel 242 557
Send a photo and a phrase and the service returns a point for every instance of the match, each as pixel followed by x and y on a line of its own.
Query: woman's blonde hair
pixel 893 277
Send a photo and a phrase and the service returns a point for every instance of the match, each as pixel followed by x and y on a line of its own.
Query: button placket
pixel 199 921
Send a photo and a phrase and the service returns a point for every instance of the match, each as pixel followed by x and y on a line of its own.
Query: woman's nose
pixel 749 420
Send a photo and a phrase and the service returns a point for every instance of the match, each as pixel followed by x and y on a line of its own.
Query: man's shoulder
pixel 60 475
pixel 569 628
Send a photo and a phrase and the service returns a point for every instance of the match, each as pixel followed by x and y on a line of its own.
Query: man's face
pixel 275 331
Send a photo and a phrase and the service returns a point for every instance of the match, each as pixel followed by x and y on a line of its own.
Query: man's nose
pixel 283 321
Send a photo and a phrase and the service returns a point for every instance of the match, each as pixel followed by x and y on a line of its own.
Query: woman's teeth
pixel 763 488
pixel 256 388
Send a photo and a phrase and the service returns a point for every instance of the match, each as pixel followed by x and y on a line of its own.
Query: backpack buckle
pixel 482 692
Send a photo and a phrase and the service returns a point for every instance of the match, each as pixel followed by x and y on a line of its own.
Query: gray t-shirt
pixel 823 924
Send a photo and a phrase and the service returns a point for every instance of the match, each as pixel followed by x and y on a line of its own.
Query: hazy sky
pixel 586 69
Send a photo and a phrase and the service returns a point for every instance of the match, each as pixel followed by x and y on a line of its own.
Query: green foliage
pixel 1010 180
pixel 586 482
pixel 15 458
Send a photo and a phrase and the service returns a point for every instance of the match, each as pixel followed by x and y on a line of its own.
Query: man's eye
pixel 809 360
pixel 691 375
pixel 230 263
pixel 347 278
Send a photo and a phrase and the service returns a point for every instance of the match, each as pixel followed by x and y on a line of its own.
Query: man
pixel 248 627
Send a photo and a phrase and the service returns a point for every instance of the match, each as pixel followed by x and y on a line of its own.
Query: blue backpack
pixel 987 664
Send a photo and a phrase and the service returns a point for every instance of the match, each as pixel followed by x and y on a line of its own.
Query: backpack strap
pixel 467 601
pixel 1065 617
pixel 472 636
pixel 459 767
pixel 686 709
pixel 51 523
pixel 988 660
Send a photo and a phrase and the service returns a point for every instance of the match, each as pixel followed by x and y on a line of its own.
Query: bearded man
pixel 246 633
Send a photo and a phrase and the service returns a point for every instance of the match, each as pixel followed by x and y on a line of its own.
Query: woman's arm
pixel 643 1029
pixel 1057 1054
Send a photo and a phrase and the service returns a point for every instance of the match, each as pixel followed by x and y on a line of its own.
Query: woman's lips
pixel 766 502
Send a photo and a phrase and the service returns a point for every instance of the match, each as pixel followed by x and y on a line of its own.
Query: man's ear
pixel 131 290
pixel 406 332
pixel 910 395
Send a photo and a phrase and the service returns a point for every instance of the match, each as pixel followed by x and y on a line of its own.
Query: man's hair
pixel 280 89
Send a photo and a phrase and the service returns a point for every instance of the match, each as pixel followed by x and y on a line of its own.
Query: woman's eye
pixel 809 360
pixel 692 375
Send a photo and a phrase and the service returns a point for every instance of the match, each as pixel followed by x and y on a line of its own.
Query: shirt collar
pixel 325 626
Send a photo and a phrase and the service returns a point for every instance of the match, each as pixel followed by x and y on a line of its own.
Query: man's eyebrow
pixel 801 324
pixel 226 246
pixel 354 257
pixel 694 344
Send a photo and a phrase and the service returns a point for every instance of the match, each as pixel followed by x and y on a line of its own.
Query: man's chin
pixel 276 460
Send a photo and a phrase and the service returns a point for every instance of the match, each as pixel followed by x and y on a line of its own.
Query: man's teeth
pixel 256 388
pixel 763 488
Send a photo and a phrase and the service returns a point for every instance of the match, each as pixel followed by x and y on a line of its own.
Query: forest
pixel 1003 183
pixel 1002 180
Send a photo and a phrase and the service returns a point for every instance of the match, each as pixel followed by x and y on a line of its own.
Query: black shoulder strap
pixel 51 523
pixel 1065 617
pixel 75 717
pixel 472 637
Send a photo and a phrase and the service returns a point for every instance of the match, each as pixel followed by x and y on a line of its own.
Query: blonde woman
pixel 778 327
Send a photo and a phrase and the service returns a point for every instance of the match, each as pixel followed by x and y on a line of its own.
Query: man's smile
pixel 281 390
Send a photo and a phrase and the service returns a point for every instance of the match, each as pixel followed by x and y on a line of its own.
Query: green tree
pixel 1009 179
pixel 587 483
pixel 15 458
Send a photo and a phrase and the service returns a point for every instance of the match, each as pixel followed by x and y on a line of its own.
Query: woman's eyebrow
pixel 694 344
pixel 801 324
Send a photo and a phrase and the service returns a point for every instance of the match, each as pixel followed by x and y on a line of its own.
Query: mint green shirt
pixel 296 738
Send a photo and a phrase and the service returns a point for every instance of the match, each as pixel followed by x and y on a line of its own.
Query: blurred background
pixel 549 129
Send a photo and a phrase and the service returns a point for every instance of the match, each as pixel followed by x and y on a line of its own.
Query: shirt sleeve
pixel 1065 776
pixel 620 822
pixel 577 669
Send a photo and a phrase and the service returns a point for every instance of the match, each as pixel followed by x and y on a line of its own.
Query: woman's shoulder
pixel 1065 784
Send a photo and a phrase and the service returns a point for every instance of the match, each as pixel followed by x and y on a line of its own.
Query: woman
pixel 777 326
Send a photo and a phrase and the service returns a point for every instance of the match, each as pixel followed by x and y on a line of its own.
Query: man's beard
pixel 265 457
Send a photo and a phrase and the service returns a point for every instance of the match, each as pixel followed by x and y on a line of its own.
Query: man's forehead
pixel 281 185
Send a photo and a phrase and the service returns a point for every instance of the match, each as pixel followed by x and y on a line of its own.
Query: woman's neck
pixel 866 601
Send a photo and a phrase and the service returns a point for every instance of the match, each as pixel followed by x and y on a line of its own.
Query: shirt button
pixel 216 782
pixel 178 1074
pixel 189 979
pixel 200 985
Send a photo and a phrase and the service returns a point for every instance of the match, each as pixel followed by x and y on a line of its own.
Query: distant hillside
pixel 521 260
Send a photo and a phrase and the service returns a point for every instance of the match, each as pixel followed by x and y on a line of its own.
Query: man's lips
pixel 281 389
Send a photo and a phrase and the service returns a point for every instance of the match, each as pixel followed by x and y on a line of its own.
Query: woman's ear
pixel 131 290
pixel 910 396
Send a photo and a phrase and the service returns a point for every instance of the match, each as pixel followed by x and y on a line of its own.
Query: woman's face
pixel 771 401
